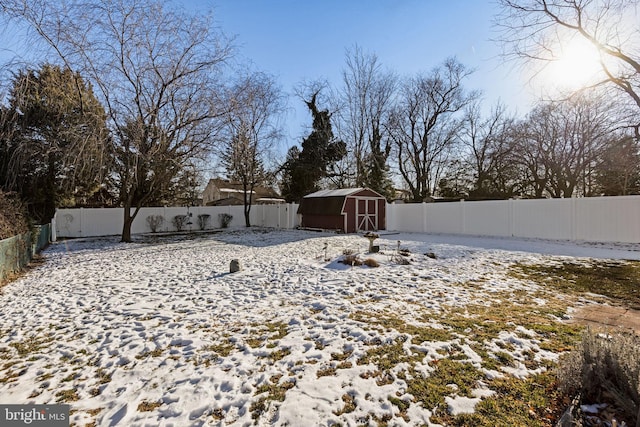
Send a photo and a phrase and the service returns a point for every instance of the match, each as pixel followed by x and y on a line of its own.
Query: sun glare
pixel 578 65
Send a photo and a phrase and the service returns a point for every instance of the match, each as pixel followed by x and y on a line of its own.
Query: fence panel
pixel 17 251
pixel 544 218
pixel 445 217
pixel 492 218
pixel 600 219
pixel 613 219
pixel 406 217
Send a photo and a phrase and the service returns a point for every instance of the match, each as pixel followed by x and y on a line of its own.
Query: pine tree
pixel 59 145
pixel 304 168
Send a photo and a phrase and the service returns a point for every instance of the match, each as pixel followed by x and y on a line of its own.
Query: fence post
pixel 424 217
pixel 511 219
pixel 53 227
pixel 574 218
pixel 463 217
pixel 81 222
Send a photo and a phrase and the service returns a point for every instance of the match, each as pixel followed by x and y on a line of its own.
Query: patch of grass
pixel 67 396
pixel 349 405
pixel 147 406
pixel 274 392
pixel 534 402
pixel 402 405
pixel 279 354
pixel 419 334
pixel 617 280
pixel 504 358
pixel 30 345
pixel 432 389
pixel 388 356
pixel 223 349
pixel 325 372
pixel 481 323
pixel 255 342
pixel 157 352
pixel 341 356
pixel 102 376
pixel 278 330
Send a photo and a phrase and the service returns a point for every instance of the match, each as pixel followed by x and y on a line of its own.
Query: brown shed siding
pixel 327 222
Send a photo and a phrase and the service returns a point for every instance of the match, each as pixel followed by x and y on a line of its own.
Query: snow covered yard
pixel 159 333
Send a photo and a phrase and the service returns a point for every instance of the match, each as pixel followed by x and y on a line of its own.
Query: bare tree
pixel 251 131
pixel 367 97
pixel 489 143
pixel 560 144
pixel 156 70
pixel 537 29
pixel 424 125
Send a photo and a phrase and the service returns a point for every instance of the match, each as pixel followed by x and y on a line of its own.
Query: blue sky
pixel 297 40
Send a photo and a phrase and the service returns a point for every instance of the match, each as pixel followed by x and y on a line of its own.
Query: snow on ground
pixel 159 333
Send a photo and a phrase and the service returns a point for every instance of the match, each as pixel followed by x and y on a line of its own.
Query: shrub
pixel 203 220
pixel 13 216
pixel 370 262
pixel 225 219
pixel 352 260
pixel 179 221
pixel 397 258
pixel 155 222
pixel 604 369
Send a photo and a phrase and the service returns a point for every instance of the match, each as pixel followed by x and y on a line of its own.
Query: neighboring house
pixel 348 209
pixel 222 192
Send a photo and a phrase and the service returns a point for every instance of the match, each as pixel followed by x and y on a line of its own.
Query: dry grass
pixel 619 281
pixel 604 368
pixel 147 406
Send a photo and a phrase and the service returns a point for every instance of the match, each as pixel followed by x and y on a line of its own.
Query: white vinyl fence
pixel 108 221
pixel 598 219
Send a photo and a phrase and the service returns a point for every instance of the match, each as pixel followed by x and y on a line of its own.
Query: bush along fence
pixel 17 251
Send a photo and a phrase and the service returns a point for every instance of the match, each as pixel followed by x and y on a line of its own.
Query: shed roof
pixel 341 192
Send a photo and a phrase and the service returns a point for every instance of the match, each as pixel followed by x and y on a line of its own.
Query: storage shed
pixel 346 209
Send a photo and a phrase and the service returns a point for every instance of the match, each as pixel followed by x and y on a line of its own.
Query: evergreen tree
pixel 304 168
pixel 58 146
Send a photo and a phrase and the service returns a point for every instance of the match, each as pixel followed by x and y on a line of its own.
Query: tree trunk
pixel 128 221
pixel 247 216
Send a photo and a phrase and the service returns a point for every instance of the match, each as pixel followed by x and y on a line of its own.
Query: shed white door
pixel 366 214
